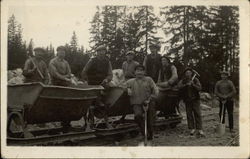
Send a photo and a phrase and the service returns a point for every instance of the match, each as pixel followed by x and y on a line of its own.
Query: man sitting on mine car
pixel 35 69
pixel 59 69
pixel 129 65
pixel 167 81
pixel 142 90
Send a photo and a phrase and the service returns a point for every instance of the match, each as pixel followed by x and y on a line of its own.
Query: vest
pixel 98 71
pixel 167 72
pixel 153 66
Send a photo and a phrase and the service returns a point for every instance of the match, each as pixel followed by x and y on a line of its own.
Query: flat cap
pixel 139 66
pixel 39 49
pixel 60 48
pixel 224 72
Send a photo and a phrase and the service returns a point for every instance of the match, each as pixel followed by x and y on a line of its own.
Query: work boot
pixel 192 132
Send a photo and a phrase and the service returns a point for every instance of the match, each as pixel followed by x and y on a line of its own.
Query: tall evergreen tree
pixel 16 46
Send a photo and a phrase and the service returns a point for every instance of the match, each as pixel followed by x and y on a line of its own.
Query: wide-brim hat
pixel 102 47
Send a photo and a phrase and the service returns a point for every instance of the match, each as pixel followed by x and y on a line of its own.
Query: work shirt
pixel 129 69
pixel 225 87
pixel 34 76
pixel 142 89
pixel 59 69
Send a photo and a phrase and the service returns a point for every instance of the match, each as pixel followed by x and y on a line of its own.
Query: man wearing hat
pixel 98 70
pixel 59 69
pixel 142 90
pixel 152 62
pixel 35 69
pixel 128 66
pixel 225 90
pixel 189 89
pixel 167 81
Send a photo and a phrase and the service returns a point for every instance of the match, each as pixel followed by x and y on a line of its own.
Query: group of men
pixel 143 83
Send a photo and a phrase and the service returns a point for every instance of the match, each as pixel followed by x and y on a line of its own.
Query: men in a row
pixel 35 69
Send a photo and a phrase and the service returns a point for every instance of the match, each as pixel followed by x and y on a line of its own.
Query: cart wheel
pixel 15 125
pixel 133 133
pixel 172 125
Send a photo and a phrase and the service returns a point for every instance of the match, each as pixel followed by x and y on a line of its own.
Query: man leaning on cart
pixel 98 71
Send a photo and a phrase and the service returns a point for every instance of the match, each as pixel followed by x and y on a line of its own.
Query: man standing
pixel 225 90
pixel 59 69
pixel 152 62
pixel 35 69
pixel 189 88
pixel 143 90
pixel 166 82
pixel 128 66
pixel 98 70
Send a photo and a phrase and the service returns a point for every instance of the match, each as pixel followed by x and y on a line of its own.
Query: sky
pixel 54 24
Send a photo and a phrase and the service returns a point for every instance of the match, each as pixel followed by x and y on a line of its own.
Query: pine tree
pixel 16 46
pixel 73 43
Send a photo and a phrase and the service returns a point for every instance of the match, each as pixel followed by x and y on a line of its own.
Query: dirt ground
pixel 179 136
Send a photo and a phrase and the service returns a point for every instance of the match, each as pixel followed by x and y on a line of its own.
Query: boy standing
pixel 143 91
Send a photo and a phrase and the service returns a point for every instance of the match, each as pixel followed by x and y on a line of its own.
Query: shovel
pixel 145 108
pixel 221 127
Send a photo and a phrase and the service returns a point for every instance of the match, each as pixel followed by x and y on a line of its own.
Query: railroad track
pixel 55 136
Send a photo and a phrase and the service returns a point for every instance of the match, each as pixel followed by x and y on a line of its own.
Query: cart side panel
pixel 118 101
pixel 60 104
pixel 23 94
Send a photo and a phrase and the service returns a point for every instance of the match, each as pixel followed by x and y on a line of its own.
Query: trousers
pixel 194 114
pixel 139 118
pixel 229 106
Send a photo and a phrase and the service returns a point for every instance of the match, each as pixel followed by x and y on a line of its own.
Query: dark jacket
pixel 189 93
pixel 96 70
pixel 152 65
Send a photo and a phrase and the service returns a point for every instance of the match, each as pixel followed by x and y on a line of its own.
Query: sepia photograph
pixel 116 79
